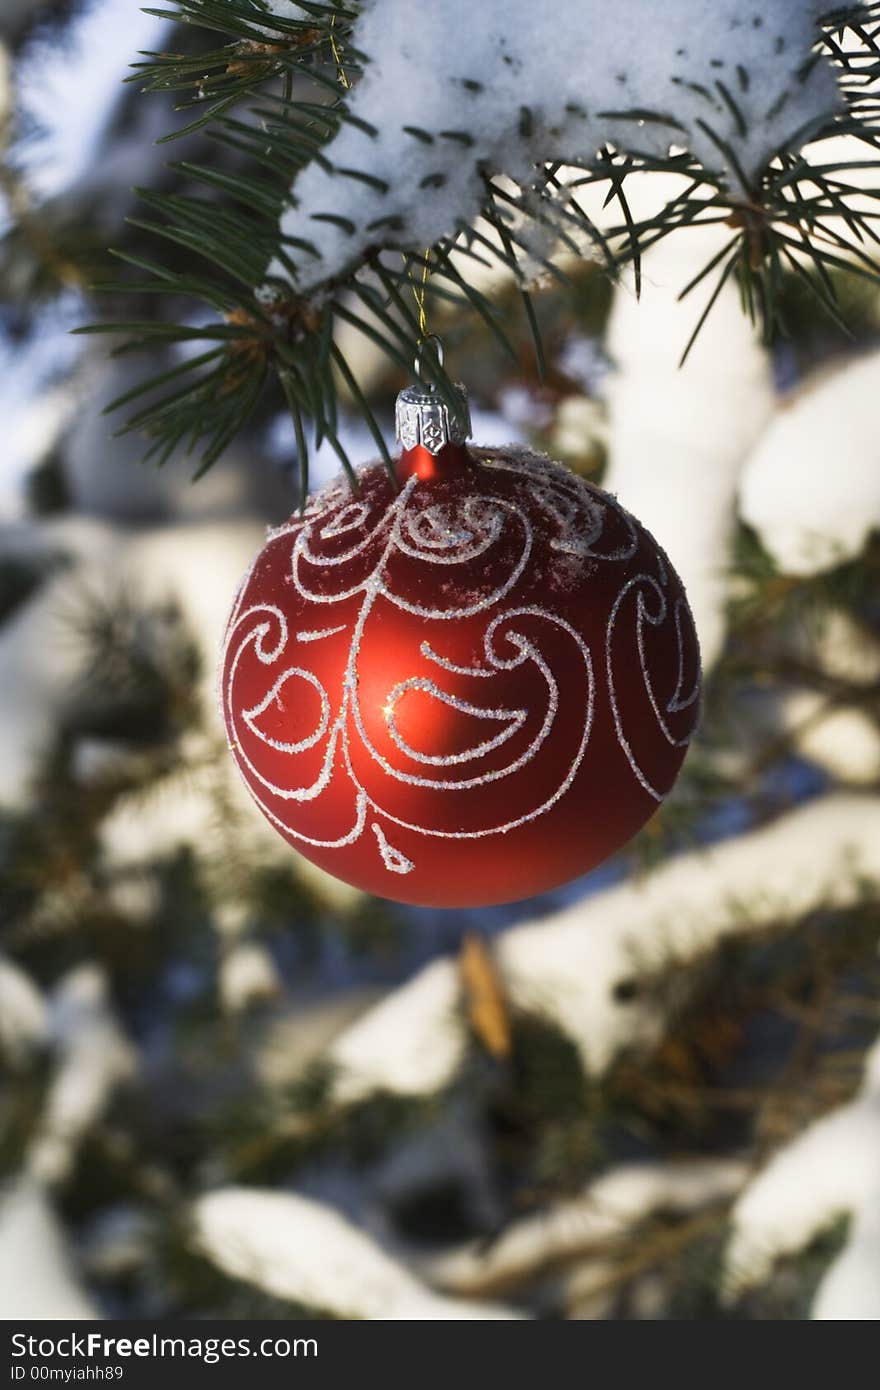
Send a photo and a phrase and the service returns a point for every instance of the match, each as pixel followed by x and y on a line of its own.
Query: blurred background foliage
pixel 183 976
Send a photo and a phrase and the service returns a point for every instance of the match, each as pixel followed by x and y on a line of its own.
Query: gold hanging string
pixel 420 291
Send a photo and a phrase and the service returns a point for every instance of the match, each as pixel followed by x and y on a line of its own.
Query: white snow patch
pixel 94 1056
pixel 248 976
pixel 186 811
pixel 846 650
pixel 579 426
pixel 566 966
pixel 100 759
pixel 201 566
pixel 304 1032
pixel 198 565
pixel 502 75
pixel 37 1279
pixel 850 1290
pixel 23 1013
pixel 855 171
pixel 138 830
pixel 842 739
pixel 834 731
pixel 811 488
pixel 69 89
pixel 777 873
pixel 299 1249
pixel 38 660
pixel 425 1011
pixel 831 1169
pixel 604 1211
pixel 679 436
pixel 33 426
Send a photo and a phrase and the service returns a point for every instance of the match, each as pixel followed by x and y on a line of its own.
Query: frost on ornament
pixel 454 89
pixel 468 689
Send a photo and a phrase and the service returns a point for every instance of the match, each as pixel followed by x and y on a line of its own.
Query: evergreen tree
pixel 649 1095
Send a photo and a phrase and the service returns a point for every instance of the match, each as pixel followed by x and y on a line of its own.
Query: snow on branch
pixel 94 1057
pixel 502 134
pixel 454 90
pixel 811 488
pixel 565 967
pixel 301 1250
pixel 838 734
pixel 830 1170
pixel 37 1274
pixel 586 1225
pixel 679 435
pixel 24 1022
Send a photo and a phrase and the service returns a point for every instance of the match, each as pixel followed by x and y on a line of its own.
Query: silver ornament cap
pixel 423 417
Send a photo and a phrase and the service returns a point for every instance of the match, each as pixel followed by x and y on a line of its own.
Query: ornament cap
pixel 424 419
pixel 432 431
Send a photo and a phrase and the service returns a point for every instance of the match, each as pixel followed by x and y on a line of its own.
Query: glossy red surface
pixel 465 693
pixel 427 467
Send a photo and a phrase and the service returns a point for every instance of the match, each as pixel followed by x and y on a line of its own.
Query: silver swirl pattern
pixel 350 555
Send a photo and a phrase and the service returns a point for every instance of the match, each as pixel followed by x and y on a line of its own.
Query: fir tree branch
pixel 276 92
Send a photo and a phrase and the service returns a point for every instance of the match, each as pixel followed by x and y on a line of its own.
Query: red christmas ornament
pixel 465 691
